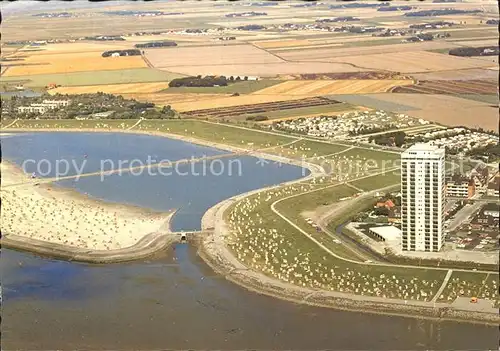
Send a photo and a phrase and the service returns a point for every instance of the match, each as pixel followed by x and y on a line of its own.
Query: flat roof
pixel 389 233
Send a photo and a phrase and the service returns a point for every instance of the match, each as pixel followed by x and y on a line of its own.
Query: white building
pixel 423 195
pixel 32 108
pixel 57 102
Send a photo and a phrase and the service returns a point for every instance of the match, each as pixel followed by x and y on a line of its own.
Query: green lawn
pixel 379 181
pixel 135 75
pixel 242 87
pixel 471 284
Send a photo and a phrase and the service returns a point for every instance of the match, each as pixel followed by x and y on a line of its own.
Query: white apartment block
pixel 35 109
pixel 57 102
pixel 422 198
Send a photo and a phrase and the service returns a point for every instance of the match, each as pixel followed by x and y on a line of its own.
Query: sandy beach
pixel 60 216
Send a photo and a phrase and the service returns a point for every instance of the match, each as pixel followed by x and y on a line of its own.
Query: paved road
pixel 463 215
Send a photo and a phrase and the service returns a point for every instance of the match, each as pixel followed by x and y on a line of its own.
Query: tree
pixel 231 79
pixel 245 78
pixel 238 78
pixel 399 138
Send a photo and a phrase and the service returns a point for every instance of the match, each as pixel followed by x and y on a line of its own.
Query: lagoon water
pixel 174 300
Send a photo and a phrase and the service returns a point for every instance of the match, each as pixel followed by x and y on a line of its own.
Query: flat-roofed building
pixel 422 198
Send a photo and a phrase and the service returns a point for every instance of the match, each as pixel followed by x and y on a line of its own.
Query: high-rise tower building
pixel 422 198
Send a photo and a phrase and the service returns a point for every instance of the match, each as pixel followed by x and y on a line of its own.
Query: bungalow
pixel 387 204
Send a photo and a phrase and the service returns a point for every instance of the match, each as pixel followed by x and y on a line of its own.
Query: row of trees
pixel 207 81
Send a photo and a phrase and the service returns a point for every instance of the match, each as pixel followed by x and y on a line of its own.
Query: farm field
pixel 293 113
pixel 242 87
pixel 216 55
pixel 235 102
pixel 450 87
pixel 74 62
pixel 270 44
pixel 78 47
pixel 137 88
pixel 446 109
pixel 261 108
pixel 325 87
pixel 262 69
pixel 464 74
pixel 330 54
pixel 122 76
pixel 413 62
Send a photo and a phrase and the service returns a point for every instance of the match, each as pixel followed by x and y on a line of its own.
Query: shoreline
pixel 40 232
pixel 217 255
pixel 212 249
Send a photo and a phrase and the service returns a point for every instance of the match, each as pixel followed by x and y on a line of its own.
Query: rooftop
pixel 389 233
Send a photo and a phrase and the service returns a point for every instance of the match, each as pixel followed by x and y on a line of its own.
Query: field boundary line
pixel 443 286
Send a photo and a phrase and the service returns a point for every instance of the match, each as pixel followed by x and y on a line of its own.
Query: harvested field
pixel 137 88
pixel 215 55
pixel 271 44
pixel 261 108
pixel 264 69
pixel 230 101
pixel 331 54
pixel 325 87
pixel 465 74
pixel 413 62
pixel 74 62
pixel 446 109
pixel 136 75
pixel 81 46
pixel 450 87
pixel 177 101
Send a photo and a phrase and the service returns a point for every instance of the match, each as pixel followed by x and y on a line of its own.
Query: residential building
pixel 32 109
pixel 58 103
pixel 494 187
pixel 458 186
pixel 422 200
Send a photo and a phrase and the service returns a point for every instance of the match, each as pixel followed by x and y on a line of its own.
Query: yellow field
pixel 270 44
pixel 412 62
pixel 138 88
pixel 72 62
pixel 189 102
pixel 66 48
pixel 326 87
pixel 174 100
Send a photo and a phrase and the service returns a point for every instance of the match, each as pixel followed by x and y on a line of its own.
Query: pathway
pixel 7 126
pixel 136 124
pixel 443 286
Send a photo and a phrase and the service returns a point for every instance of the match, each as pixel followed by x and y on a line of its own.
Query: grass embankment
pixel 300 111
pixel 268 243
pixel 134 75
pixel 470 284
pixel 240 87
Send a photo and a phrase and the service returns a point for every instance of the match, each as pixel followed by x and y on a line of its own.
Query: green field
pixel 242 87
pixel 489 99
pixel 135 75
pixel 298 112
pixel 266 242
pixel 379 181
pixel 470 284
